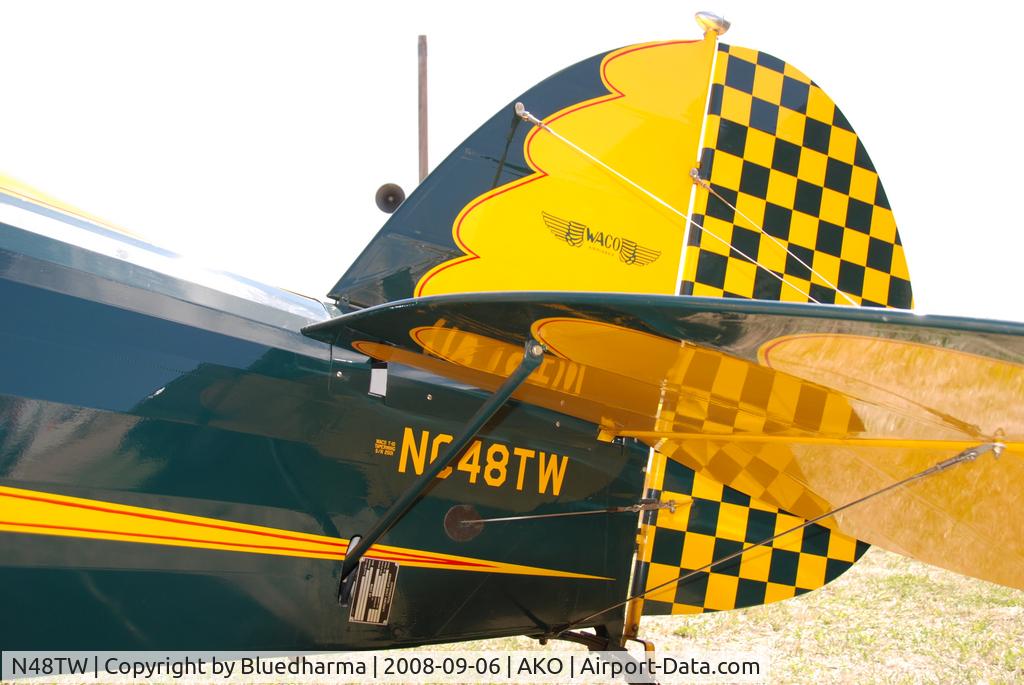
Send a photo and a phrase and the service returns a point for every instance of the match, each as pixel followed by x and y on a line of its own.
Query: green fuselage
pixel 130 385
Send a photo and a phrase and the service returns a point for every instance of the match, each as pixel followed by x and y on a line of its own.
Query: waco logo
pixel 577 234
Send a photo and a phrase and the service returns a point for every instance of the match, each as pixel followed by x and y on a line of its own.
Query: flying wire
pixel 969 454
pixel 706 185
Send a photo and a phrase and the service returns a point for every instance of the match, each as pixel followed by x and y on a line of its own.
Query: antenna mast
pixel 423 106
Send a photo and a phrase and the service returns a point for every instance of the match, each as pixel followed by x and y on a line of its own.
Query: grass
pixel 887 620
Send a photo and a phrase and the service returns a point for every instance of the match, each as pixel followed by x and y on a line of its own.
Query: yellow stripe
pixel 23 191
pixel 42 513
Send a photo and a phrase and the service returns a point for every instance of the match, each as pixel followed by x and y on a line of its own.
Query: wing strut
pixel 533 355
pixel 969 454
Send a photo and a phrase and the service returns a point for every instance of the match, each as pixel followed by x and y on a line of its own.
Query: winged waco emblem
pixel 571 232
pixel 575 234
pixel 631 253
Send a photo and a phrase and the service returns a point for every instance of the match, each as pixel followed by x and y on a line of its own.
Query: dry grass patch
pixel 887 620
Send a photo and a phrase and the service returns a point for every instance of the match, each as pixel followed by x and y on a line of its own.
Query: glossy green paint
pixel 117 391
pixel 445 459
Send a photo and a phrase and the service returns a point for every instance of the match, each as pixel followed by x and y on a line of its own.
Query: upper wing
pixel 803 407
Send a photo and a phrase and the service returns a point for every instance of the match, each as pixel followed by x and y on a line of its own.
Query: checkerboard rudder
pixel 778 150
pixel 720 521
pixel 794 190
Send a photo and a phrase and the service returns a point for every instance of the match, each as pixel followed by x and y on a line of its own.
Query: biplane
pixel 641 345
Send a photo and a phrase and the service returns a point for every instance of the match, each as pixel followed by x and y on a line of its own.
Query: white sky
pixel 252 135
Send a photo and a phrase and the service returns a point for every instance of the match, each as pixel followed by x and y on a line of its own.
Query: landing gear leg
pixel 610 638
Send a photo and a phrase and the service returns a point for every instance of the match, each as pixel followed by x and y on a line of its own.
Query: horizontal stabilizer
pixel 803 407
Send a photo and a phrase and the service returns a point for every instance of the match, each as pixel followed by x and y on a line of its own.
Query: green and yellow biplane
pixel 641 345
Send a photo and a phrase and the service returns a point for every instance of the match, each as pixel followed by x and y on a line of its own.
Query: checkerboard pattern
pixel 741 493
pixel 721 521
pixel 709 392
pixel 713 392
pixel 781 152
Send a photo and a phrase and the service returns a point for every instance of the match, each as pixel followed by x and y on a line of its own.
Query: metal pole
pixel 532 357
pixel 423 107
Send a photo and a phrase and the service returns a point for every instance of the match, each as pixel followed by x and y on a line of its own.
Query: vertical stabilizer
pixel 597 195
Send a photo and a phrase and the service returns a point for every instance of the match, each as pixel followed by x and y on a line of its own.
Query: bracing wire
pixel 966 455
pixel 706 185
